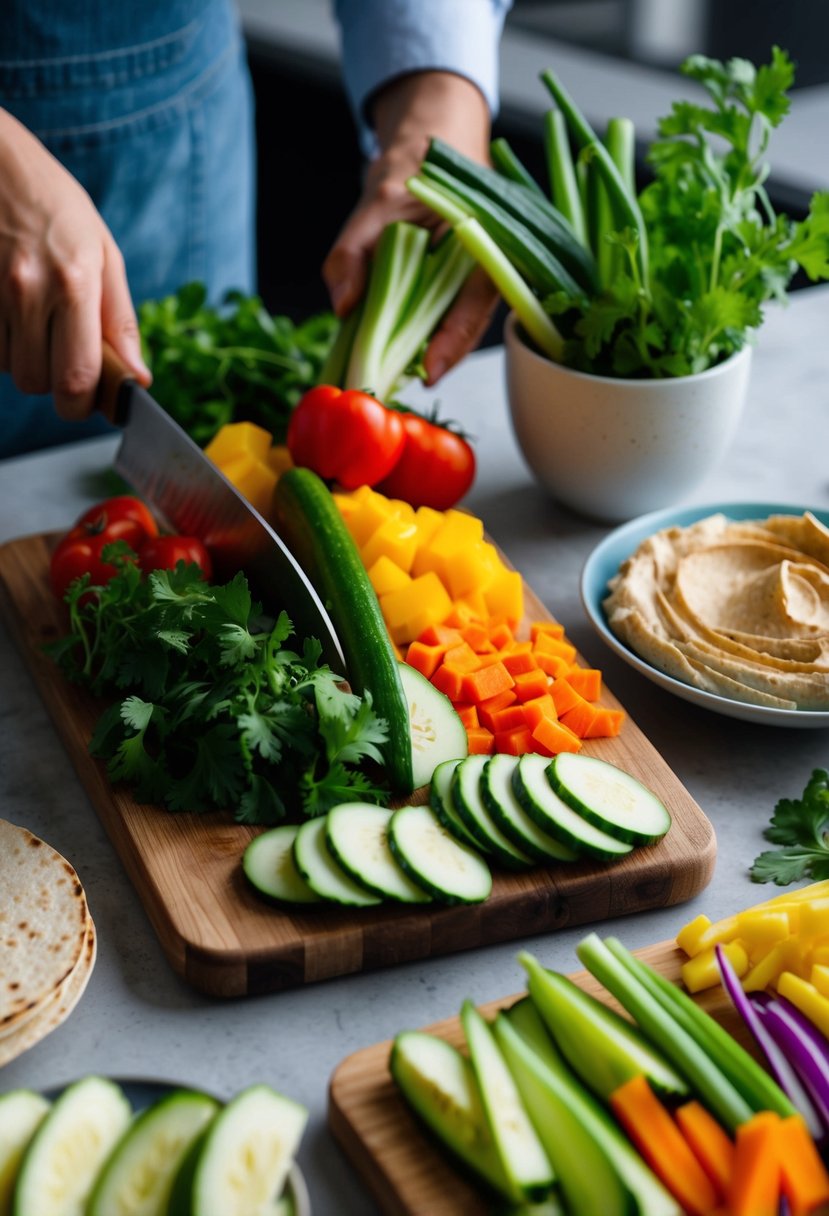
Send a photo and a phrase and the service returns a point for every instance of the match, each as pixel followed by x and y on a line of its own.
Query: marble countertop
pixel 138 1019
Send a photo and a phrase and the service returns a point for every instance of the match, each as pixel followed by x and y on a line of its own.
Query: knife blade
pixel 164 465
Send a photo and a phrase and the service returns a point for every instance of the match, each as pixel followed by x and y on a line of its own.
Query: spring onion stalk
pixel 619 140
pixel 743 1072
pixel 397 264
pixel 507 163
pixel 336 364
pixel 686 1054
pixel 564 189
pixel 623 200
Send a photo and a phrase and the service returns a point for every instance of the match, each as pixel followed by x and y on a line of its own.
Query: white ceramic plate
pixel 609 554
pixel 141 1092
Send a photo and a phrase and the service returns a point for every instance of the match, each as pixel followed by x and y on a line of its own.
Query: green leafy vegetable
pixel 218 712
pixel 230 364
pixel 801 826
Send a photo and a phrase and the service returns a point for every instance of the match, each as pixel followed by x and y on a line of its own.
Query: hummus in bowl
pixel 737 608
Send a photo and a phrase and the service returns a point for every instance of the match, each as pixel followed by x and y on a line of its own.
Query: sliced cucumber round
pixel 610 798
pixel 268 863
pixel 466 795
pixel 443 804
pixel 138 1176
pixel 533 790
pixel 321 872
pixel 435 860
pixel 238 1166
pixel 61 1164
pixel 437 732
pixel 357 837
pixel 499 798
pixel 21 1113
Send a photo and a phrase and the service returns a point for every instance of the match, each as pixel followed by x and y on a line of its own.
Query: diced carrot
pixel 709 1143
pixel 661 1143
pixel 494 656
pixel 468 714
pixel 552 664
pixel 754 1188
pixel 587 681
pixel 530 684
pixel 462 657
pixel 517 664
pixel 804 1178
pixel 579 718
pixel 545 643
pixel 481 740
pixel 501 635
pixel 511 718
pixel 556 737
pixel 607 722
pixel 491 705
pixel 552 627
pixel 476 635
pixel 440 635
pixel 514 742
pixel 425 659
pixel 480 685
pixel 449 681
pixel 461 616
pixel 518 648
pixel 538 708
pixel 564 695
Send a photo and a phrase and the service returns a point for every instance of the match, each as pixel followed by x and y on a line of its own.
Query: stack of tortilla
pixel 47 940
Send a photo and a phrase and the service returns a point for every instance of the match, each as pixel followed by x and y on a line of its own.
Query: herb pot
pixel 610 448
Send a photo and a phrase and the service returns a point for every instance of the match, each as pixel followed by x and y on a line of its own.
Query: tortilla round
pixel 44 922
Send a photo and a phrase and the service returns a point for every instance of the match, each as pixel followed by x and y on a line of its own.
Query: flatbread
pixel 58 1005
pixel 44 920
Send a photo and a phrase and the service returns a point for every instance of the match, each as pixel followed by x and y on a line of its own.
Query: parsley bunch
pixel 801 826
pixel 215 711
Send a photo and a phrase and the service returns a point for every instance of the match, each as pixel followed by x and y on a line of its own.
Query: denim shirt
pixel 149 106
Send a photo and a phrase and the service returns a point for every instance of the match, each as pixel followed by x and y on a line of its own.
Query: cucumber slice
pixel 499 798
pixel 321 872
pixel 466 795
pixel 522 1155
pixel 62 1162
pixel 439 1084
pixel 443 804
pixel 238 1166
pixel 138 1176
pixel 268 863
pixel 432 857
pixel 609 798
pixel 357 837
pixel 437 733
pixel 21 1113
pixel 535 793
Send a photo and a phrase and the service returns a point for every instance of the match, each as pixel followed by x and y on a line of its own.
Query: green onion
pixel 507 163
pixel 564 189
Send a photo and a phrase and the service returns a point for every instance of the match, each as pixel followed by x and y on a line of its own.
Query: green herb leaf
pixel 801 825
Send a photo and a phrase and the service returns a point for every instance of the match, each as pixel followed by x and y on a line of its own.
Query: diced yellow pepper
pixel 347 504
pixel 474 604
pixel 689 935
pixel 724 930
pixel 702 971
pixel 237 438
pixel 766 970
pixel 819 976
pixel 761 928
pixel 504 596
pixel 428 521
pixel 407 612
pixel 385 576
pixel 457 532
pixel 279 459
pixel 474 567
pixel 814 917
pixel 820 953
pixel 370 511
pixel 254 479
pixel 807 999
pixel 395 539
pixel 400 509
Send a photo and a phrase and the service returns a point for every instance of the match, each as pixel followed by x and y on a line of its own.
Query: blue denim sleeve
pixel 382 39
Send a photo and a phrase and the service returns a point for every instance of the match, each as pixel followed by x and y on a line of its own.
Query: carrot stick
pixel 709 1143
pixel 754 1189
pixel 805 1180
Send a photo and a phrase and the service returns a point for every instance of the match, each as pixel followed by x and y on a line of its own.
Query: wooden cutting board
pixel 401 1166
pixel 224 940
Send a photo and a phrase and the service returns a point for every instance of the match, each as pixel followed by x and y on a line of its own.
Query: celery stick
pixel 334 368
pixel 438 200
pixel 619 141
pixel 564 189
pixel 508 164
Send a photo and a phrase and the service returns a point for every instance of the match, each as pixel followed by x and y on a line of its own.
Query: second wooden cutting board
pixel 226 942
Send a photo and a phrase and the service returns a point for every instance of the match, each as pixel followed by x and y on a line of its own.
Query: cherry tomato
pixel 436 468
pixel 121 518
pixel 77 555
pixel 348 437
pixel 165 552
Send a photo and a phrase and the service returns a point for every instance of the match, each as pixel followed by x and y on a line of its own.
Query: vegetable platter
pixel 404 1169
pixel 224 940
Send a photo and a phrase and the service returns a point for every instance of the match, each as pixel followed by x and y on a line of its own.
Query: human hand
pixel 63 286
pixel 407 113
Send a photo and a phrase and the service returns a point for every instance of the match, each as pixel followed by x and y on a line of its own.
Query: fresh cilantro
pixel 215 711
pixel 801 826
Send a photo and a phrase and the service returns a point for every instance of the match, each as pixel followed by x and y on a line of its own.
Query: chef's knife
pixel 166 467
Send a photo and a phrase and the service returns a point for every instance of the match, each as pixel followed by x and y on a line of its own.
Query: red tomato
pixel 77 555
pixel 122 518
pixel 348 437
pixel 165 552
pixel 436 468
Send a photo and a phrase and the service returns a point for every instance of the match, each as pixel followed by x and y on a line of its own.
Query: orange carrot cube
pixel 587 681
pixel 556 737
pixel 481 741
pixel 514 742
pixel 487 682
pixel 425 659
pixel 551 627
pixel 531 684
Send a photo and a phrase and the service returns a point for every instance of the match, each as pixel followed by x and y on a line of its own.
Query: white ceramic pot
pixel 613 449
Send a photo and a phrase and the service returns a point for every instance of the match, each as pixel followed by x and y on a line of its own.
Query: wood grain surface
pixel 225 941
pixel 401 1165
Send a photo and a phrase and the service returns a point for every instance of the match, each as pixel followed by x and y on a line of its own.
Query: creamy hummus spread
pixel 738 608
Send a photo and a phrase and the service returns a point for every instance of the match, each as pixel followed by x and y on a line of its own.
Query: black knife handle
pixel 112 394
